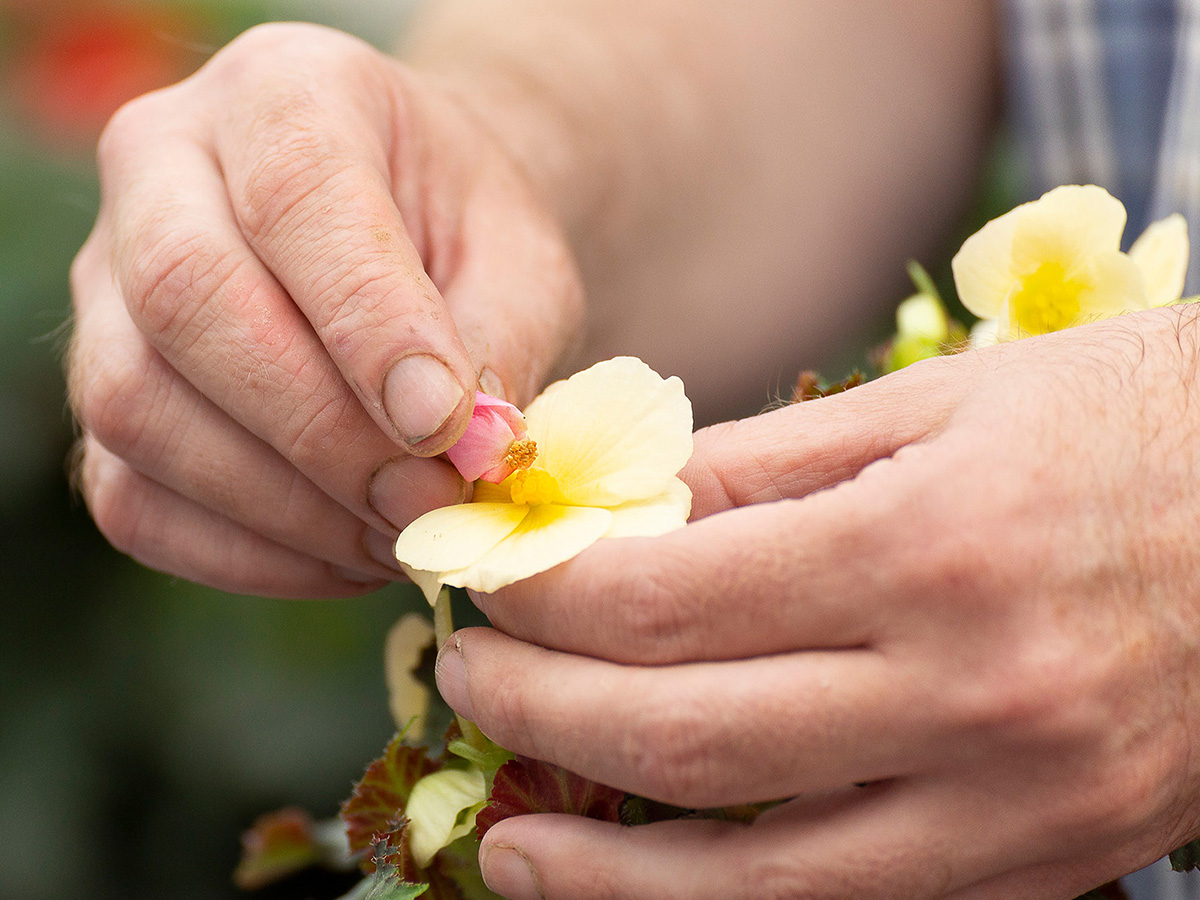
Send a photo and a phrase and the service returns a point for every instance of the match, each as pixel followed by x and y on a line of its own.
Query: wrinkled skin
pixel 973 586
pixel 263 258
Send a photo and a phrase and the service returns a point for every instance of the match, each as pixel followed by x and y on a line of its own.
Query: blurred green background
pixel 144 721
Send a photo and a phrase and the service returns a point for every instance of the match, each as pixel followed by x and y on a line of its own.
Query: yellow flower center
pixel 533 487
pixel 1047 301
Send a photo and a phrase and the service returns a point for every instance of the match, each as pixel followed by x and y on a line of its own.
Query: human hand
pixel 306 260
pixel 968 588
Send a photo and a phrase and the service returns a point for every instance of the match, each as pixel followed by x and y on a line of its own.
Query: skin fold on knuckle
pixel 169 268
pixel 111 388
pixel 668 750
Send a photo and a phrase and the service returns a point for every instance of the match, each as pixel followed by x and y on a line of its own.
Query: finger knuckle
pixel 259 49
pixel 168 265
pixel 289 168
pixel 324 433
pixel 131 128
pixel 671 758
pixel 651 615
pixel 110 392
pixel 783 879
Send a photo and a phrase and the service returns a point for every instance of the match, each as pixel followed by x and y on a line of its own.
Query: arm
pixel 309 254
pixel 716 165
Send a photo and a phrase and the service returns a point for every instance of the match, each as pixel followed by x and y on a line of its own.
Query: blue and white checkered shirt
pixel 1108 92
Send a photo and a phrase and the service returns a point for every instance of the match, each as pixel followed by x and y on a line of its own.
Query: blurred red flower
pixel 75 64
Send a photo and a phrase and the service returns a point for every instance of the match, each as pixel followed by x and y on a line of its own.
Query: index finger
pixel 767 578
pixel 307 157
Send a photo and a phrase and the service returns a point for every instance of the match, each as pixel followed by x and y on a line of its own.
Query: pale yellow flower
pixel 1056 262
pixel 408 697
pixel 442 808
pixel 610 441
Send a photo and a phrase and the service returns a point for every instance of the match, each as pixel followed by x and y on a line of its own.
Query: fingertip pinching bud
pixel 495 443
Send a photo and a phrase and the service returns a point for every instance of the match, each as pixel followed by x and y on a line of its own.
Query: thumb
pixel 804 447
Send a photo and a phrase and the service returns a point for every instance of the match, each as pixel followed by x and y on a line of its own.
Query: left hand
pixel 972 587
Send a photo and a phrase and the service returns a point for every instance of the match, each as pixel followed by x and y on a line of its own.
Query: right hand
pixel 306 260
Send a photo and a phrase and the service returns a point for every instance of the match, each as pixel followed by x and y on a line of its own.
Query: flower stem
pixel 443 627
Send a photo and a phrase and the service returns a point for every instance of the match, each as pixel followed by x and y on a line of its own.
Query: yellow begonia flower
pixel 408 698
pixel 610 442
pixel 1056 262
pixel 441 809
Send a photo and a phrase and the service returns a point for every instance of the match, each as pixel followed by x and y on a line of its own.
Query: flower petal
pixel 1162 255
pixel 612 433
pixel 655 516
pixel 408 698
pixel 1116 287
pixel 549 535
pixel 452 538
pixel 923 317
pixel 480 452
pixel 441 809
pixel 982 268
pixel 984 333
pixel 430 583
pixel 1067 226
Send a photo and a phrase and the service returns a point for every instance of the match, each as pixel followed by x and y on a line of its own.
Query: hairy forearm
pixel 739 183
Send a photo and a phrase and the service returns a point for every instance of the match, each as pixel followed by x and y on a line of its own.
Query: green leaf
pixel 523 786
pixel 488 758
pixel 459 864
pixel 384 884
pixel 922 280
pixel 375 809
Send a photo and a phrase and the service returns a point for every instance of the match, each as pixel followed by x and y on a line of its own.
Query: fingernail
pixel 410 486
pixel 379 548
pixel 490 383
pixel 508 872
pixel 451 676
pixel 419 395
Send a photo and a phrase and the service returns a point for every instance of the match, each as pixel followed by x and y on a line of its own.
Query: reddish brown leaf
pixel 524 786
pixel 375 809
pixel 277 845
pixel 811 386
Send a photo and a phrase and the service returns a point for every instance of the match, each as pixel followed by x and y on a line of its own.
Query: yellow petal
pixel 612 433
pixel 408 698
pixel 430 583
pixel 1117 287
pixel 982 269
pixel 984 333
pixel 1162 255
pixel 451 538
pixel 657 515
pixel 456 536
pixel 1067 226
pixel 549 535
pixel 441 809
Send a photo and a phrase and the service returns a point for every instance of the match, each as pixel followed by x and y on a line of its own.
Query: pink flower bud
pixel 495 442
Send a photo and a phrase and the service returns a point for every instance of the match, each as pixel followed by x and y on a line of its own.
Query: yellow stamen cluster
pixel 521 453
pixel 1047 301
